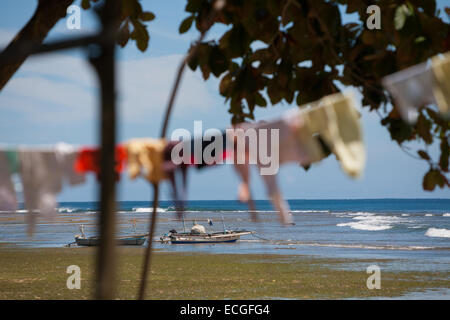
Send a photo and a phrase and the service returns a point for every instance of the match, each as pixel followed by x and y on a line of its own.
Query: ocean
pixel 413 231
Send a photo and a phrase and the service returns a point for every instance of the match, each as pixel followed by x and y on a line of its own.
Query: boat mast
pixel 223 223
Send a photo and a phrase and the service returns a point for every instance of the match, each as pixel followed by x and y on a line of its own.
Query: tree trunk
pixel 47 14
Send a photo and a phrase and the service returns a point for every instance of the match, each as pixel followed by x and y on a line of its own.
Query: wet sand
pixel 40 273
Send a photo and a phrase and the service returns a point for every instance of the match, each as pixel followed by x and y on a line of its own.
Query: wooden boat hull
pixel 125 241
pixel 198 241
pixel 185 238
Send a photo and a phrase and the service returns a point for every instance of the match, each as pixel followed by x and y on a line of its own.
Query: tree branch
pixel 47 14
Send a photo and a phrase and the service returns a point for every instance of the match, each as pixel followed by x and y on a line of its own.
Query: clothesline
pixel 306 135
pixel 331 123
pixel 419 85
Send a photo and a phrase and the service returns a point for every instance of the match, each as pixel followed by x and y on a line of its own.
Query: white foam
pixel 446 215
pixel 438 233
pixel 361 214
pixel 149 210
pixel 405 215
pixel 372 247
pixel 371 222
pixel 428 215
pixel 352 214
pixel 364 226
pixel 354 245
pixel 310 211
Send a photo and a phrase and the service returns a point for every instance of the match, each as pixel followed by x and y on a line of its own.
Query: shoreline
pixel 40 273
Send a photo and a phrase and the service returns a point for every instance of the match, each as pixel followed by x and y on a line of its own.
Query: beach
pixel 41 274
pixel 325 255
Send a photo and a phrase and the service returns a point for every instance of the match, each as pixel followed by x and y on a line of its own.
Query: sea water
pixel 414 233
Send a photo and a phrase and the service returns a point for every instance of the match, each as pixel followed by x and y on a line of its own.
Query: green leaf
pixel 445 154
pixel 399 130
pixel 225 84
pixel 205 71
pixel 237 41
pixel 186 24
pixel 85 4
pixel 193 61
pixel 419 39
pixel 259 100
pixel 147 16
pixel 306 167
pixel 140 34
pixel 424 155
pixel 218 63
pixel 273 92
pixel 194 5
pixel 401 14
pixel 124 35
pixel 432 179
pixel 423 127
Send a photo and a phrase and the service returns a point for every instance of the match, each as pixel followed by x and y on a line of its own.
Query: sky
pixel 53 98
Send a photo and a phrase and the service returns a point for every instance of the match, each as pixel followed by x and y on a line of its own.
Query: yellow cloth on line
pixel 145 157
pixel 421 85
pixel 441 86
pixel 336 120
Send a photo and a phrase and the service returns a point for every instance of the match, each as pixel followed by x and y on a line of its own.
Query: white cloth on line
pixel 43 174
pixel 334 119
pixel 8 200
pixel 421 85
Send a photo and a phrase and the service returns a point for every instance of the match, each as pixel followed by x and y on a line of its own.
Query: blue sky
pixel 53 98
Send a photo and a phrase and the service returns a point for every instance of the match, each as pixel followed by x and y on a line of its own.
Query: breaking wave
pixel 148 210
pixel 371 222
pixel 438 233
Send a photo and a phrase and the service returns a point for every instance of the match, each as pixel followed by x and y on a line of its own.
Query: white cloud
pixel 146 84
pixel 53 87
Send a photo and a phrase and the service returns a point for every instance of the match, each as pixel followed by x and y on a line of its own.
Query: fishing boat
pixel 216 237
pixel 133 240
pixel 199 235
pixel 128 240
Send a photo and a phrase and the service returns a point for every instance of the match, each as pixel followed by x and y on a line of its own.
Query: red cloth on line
pixel 88 160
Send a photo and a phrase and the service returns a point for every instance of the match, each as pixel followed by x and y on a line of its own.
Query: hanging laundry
pixel 222 155
pixel 8 166
pixel 336 120
pixel 441 89
pixel 305 137
pixel 13 160
pixel 244 193
pixel 88 160
pixel 174 172
pixel 67 156
pixel 251 155
pixel 286 145
pixel 145 157
pixel 421 85
pixel 43 174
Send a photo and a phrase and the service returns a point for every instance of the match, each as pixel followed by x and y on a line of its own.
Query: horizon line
pixel 269 199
